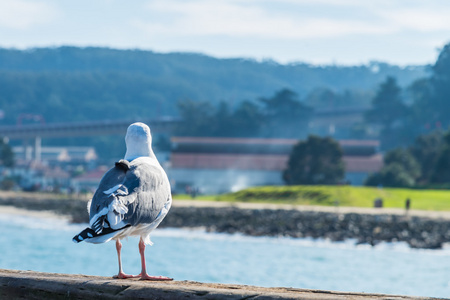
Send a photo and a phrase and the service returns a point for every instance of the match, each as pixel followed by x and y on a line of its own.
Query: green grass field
pixel 438 200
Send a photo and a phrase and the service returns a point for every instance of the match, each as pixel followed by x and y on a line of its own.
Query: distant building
pixel 216 165
pixel 88 182
pixel 35 177
pixel 53 179
pixel 54 170
pixel 57 155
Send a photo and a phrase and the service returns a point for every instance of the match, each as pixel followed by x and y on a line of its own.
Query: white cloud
pixel 300 19
pixel 246 19
pixel 286 30
pixel 419 19
pixel 22 14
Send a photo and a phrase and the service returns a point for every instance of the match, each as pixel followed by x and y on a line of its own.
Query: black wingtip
pixel 85 234
pixel 90 233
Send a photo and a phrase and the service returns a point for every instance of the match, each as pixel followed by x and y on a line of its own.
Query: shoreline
pixel 45 214
pixel 49 213
pixel 445 215
pixel 46 202
pixel 419 229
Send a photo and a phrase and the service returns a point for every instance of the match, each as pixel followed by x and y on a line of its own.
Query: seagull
pixel 131 200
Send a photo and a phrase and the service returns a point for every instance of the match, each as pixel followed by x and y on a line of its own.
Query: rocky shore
pixel 370 228
pixel 418 232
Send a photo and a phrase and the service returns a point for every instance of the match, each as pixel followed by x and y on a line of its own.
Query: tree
pixel 404 158
pixel 326 98
pixel 247 120
pixel 440 82
pixel 400 170
pixel 426 150
pixel 315 161
pixel 441 171
pixel 426 162
pixel 6 154
pixel 203 119
pixel 389 112
pixel 322 98
pixel 424 113
pixel 430 95
pixel 221 122
pixel 244 121
pixel 387 105
pixel 285 115
pixel 197 118
pixel 392 175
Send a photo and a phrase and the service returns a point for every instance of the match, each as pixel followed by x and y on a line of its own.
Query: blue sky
pixel 342 32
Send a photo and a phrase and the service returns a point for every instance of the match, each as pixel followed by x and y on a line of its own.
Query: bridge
pixel 60 130
pixel 36 132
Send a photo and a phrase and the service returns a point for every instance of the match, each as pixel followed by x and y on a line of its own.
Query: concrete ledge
pixel 36 285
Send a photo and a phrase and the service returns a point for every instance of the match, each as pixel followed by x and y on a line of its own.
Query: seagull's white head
pixel 138 141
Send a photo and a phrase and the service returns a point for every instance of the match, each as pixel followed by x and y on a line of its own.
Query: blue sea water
pixel 39 244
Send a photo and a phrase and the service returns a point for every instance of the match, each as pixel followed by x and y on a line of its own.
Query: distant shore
pixel 48 214
pixel 73 208
pixel 420 229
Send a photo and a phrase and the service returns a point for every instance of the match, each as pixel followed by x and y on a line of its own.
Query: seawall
pixel 366 226
pixel 35 285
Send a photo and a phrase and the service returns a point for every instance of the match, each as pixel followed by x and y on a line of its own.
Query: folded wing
pixel 128 194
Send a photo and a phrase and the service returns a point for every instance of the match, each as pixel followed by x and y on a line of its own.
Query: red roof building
pixel 220 164
pixel 89 181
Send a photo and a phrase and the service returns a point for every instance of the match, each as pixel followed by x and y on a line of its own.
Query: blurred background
pixel 306 102
pixel 247 79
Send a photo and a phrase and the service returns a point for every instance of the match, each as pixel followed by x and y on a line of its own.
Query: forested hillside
pixel 73 84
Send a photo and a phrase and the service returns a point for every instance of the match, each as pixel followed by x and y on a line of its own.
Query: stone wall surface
pixel 36 286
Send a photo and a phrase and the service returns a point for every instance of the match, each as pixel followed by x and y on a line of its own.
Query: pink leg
pixel 144 275
pixel 121 274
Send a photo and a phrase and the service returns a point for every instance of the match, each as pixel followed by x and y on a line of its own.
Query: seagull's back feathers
pixel 132 199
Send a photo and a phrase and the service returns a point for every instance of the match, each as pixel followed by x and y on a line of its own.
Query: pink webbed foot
pixel 144 275
pixel 122 275
pixel 154 278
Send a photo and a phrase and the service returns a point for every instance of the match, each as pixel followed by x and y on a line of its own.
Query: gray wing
pixel 129 194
